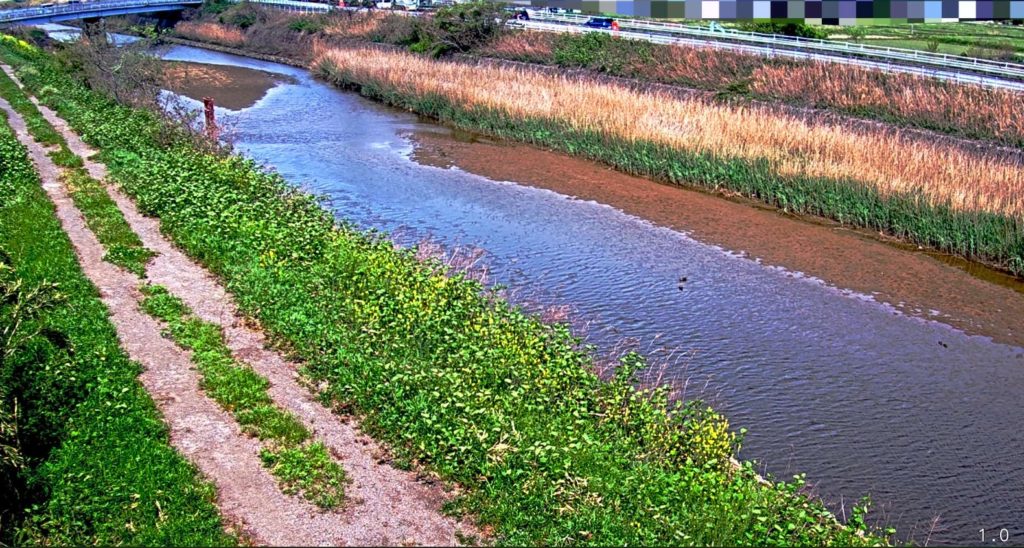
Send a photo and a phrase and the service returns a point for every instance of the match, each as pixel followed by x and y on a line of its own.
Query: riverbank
pixel 461 383
pixel 867 180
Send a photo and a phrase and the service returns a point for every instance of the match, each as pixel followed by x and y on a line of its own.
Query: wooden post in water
pixel 211 118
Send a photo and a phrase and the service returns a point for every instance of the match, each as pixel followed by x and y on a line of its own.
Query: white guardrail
pixel 18 14
pixel 886 65
pixel 845 49
pixel 983 72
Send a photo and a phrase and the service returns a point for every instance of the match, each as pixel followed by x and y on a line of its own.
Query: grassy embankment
pixel 464 384
pixel 984 40
pixel 906 100
pixel 124 248
pixel 902 99
pixel 91 461
pixel 301 464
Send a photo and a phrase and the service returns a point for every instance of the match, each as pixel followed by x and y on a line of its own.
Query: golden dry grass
pixel 997 112
pixel 882 159
pixel 211 32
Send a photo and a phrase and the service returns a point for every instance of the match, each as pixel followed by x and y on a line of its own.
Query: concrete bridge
pixel 89 9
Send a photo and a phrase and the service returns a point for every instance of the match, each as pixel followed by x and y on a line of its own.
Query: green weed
pixel 239 389
pixel 98 467
pixel 124 248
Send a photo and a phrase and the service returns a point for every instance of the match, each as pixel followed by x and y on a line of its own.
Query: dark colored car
pixel 602 23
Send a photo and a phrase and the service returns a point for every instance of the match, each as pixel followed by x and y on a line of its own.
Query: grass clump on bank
pixel 104 218
pixel 94 464
pixel 300 464
pixel 460 382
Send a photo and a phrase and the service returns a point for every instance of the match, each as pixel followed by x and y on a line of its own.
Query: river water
pixel 864 395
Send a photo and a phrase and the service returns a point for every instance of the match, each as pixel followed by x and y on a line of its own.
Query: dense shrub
pixel 786 28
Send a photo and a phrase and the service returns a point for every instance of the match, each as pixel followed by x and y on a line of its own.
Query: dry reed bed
pixel 211 32
pixel 957 108
pixel 884 159
pixel 924 100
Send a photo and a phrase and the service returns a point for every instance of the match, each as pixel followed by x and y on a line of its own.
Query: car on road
pixel 606 23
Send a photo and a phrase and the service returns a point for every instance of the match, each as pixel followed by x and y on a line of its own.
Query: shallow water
pixel 862 396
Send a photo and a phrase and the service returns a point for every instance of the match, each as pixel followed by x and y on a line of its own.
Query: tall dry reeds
pixel 884 160
pixel 211 32
pixel 966 109
pixel 531 47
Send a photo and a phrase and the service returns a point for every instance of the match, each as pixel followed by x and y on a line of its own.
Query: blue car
pixel 602 23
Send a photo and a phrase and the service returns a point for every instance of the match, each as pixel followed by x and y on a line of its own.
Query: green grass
pixel 38 127
pixel 100 470
pixel 104 218
pixel 302 465
pixel 449 376
pixel 962 35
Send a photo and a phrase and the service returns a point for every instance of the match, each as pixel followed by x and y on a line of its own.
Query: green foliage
pixel 105 220
pixel 604 53
pixel 37 125
pixel 242 391
pixel 785 28
pixel 242 15
pixel 98 466
pixel 308 469
pixel 101 213
pixel 461 27
pixel 216 7
pixel 453 379
pixel 310 24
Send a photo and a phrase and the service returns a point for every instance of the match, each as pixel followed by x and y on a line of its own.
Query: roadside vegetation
pixel 450 376
pixel 84 456
pixel 301 464
pixel 997 41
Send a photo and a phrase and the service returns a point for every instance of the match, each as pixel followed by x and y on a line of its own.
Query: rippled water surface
pixel 864 399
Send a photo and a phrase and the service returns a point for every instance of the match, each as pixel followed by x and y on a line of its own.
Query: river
pixel 908 392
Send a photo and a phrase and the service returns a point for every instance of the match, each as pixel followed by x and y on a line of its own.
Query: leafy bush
pixel 308 24
pixel 461 27
pixel 791 28
pixel 604 53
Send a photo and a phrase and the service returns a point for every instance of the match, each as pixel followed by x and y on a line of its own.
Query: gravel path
pixel 384 506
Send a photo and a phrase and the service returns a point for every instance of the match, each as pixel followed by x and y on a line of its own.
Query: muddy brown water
pixel 874 369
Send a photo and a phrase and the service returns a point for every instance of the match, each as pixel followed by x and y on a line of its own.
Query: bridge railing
pixel 19 14
pixel 1004 69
